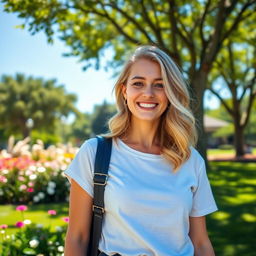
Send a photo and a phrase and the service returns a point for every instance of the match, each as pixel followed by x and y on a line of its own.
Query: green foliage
pixel 101 115
pixel 184 29
pixel 33 240
pixel 28 98
pixel 80 129
pixel 45 184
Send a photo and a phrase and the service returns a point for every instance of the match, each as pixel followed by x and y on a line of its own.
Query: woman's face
pixel 144 91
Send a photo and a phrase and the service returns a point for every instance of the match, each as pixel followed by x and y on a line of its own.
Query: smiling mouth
pixel 147 105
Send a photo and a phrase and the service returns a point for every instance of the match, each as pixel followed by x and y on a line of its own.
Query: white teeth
pixel 147 105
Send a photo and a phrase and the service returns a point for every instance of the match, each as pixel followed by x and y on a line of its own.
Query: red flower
pixel 30 190
pixel 19 224
pixel 21 208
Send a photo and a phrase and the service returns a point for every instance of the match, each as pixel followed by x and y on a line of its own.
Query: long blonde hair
pixel 176 131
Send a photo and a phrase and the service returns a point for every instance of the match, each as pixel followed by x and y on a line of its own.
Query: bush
pixel 32 174
pixel 34 240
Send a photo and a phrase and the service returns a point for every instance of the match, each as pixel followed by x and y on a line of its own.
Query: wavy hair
pixel 177 128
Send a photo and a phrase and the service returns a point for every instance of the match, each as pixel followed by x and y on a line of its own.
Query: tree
pixel 24 99
pixel 100 116
pixel 80 129
pixel 229 131
pixel 236 66
pixel 191 32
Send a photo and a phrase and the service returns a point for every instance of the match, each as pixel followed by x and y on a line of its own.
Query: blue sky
pixel 32 55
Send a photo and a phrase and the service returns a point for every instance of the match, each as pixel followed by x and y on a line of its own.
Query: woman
pixel 157 193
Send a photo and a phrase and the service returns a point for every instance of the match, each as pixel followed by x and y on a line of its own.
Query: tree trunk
pixel 198 85
pixel 239 139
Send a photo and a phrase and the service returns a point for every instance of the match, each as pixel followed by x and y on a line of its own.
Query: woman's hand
pixel 199 236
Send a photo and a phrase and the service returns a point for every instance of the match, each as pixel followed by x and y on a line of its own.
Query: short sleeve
pixel 82 167
pixel 203 200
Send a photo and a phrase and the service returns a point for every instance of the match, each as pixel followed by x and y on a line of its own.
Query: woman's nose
pixel 148 91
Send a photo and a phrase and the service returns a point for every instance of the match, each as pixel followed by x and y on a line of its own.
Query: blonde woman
pixel 157 193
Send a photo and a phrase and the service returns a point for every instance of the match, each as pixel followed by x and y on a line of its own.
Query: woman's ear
pixel 124 90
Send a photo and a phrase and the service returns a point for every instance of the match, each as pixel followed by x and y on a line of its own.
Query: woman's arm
pixel 199 236
pixel 80 214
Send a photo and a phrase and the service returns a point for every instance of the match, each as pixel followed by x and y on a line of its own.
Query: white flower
pixel 50 191
pixel 27 222
pixel 51 184
pixel 2 231
pixel 58 228
pixel 41 169
pixel 32 168
pixel 63 167
pixel 60 248
pixel 33 243
pixel 36 199
pixel 7 237
pixel 32 176
pixel 39 225
pixel 50 242
pixel 5 171
pixel 41 195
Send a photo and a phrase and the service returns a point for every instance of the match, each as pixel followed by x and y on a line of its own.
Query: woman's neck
pixel 142 136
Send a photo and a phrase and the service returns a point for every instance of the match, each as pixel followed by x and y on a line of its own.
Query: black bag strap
pixel 101 166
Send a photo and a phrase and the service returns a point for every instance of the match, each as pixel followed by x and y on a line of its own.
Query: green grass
pixel 232 228
pixel 36 213
pixel 217 152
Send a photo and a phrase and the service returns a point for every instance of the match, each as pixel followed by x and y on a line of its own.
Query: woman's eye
pixel 159 85
pixel 138 84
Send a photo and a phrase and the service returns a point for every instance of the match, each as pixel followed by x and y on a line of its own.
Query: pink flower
pixel 52 212
pixel 3 179
pixel 66 219
pixel 19 224
pixel 21 208
pixel 21 178
pixel 30 190
pixel 31 184
pixel 23 187
pixel 3 226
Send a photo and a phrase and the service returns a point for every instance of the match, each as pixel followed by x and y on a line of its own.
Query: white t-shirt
pixel 147 206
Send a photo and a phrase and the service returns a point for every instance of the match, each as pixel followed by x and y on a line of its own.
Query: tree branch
pixel 106 16
pixel 128 17
pixel 201 25
pixel 230 111
pixel 249 106
pixel 239 18
pixel 151 24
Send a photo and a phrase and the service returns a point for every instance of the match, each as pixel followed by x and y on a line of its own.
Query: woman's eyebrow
pixel 143 78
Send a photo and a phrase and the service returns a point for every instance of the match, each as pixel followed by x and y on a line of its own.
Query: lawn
pixel 219 152
pixel 232 228
pixel 36 213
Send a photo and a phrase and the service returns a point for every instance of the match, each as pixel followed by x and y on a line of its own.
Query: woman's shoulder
pixel 89 145
pixel 195 157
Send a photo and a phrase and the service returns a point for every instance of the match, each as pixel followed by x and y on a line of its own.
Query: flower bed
pixel 33 239
pixel 35 175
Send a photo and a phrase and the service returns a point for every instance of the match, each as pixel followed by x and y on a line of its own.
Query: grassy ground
pixel 217 152
pixel 232 228
pixel 36 213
